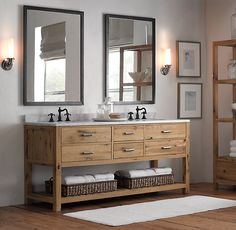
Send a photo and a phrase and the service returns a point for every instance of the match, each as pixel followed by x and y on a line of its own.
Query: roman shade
pixel 53 43
pixel 121 32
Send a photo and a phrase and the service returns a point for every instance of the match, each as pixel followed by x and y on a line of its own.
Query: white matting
pixel 142 212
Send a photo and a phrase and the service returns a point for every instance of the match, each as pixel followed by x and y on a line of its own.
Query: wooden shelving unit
pixel 139 49
pixel 224 168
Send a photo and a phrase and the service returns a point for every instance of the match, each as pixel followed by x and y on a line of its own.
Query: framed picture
pixel 188 59
pixel 189 100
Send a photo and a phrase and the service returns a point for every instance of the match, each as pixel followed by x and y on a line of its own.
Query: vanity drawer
pixel 127 150
pixel 164 147
pixel 73 135
pixel 86 152
pixel 128 133
pixel 153 132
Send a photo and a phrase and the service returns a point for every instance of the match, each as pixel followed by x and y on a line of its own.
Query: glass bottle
pixel 232 69
pixel 108 106
pixel 233 25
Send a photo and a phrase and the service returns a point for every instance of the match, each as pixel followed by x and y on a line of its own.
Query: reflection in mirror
pixel 53 56
pixel 130 59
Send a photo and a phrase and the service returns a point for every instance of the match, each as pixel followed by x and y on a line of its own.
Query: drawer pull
pixel 128 133
pixel 86 134
pixel 166 131
pixel 87 153
pixel 166 147
pixel 128 150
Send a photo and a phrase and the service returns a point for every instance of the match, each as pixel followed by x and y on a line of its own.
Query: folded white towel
pixel 69 180
pixel 233 143
pixel 132 173
pixel 232 154
pixel 150 172
pixel 89 178
pixel 233 149
pixel 104 177
pixel 163 171
pixel 233 105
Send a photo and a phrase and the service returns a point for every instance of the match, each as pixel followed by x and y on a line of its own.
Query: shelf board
pixel 225 119
pixel 41 197
pixel 122 192
pixel 226 159
pixel 228 43
pixel 226 81
pixel 137 84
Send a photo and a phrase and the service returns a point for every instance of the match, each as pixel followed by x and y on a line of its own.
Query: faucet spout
pixel 59 113
pixel 137 112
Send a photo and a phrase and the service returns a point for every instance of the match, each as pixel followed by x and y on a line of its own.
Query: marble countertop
pixel 91 122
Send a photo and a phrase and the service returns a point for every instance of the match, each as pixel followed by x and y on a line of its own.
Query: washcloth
pixel 69 180
pixel 104 177
pixel 162 171
pixel 233 143
pixel 232 154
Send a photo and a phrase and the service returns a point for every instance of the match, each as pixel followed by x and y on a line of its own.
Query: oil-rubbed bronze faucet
pixel 144 113
pixel 59 113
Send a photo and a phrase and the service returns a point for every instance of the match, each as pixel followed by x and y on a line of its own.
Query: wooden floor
pixel 40 216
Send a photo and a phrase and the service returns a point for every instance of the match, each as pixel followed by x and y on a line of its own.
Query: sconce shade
pixel 168 57
pixel 167 65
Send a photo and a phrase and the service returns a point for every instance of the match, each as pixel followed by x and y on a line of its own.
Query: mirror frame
pixel 81 74
pixel 106 62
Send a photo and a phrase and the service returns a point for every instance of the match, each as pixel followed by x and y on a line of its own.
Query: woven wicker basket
pixel 82 189
pixel 141 182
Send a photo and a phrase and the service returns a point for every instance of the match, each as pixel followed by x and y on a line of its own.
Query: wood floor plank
pixel 40 216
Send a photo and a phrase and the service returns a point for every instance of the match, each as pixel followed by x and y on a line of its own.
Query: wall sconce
pixel 8 60
pixel 166 67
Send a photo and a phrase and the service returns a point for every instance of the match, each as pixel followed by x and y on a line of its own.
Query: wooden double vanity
pixel 88 143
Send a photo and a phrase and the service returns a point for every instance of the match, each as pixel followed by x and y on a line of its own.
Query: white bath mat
pixel 135 213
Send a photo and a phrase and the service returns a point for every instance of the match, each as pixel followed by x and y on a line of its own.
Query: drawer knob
pixel 166 131
pixel 87 153
pixel 128 150
pixel 128 133
pixel 166 147
pixel 86 134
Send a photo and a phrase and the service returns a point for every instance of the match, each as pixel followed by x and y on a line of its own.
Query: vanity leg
pixel 57 171
pixel 186 176
pixel 57 188
pixel 28 182
pixel 27 170
pixel 154 164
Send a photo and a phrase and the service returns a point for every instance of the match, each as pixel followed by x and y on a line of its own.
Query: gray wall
pixel 175 20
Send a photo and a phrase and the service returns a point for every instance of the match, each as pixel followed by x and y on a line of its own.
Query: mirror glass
pixel 130 59
pixel 53 56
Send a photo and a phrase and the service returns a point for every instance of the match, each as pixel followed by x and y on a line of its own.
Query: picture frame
pixel 188 59
pixel 190 100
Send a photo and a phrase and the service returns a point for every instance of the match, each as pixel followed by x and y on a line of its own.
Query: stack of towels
pixel 71 180
pixel 144 172
pixel 232 148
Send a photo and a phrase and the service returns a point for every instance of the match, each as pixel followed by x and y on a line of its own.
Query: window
pixel 114 75
pixel 55 80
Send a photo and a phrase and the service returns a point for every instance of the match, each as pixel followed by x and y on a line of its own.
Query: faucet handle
pixel 130 116
pixel 51 117
pixel 144 115
pixel 67 116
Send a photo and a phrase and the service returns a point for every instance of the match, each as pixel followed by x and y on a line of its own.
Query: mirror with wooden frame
pixel 129 59
pixel 53 56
